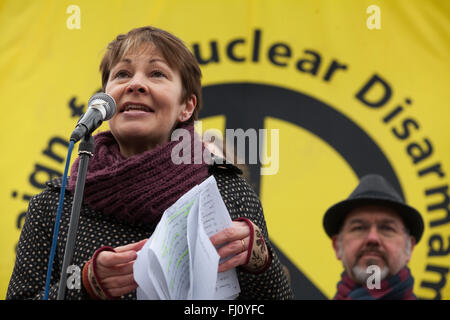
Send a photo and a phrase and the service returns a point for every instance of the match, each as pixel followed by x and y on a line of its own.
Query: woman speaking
pixel 132 180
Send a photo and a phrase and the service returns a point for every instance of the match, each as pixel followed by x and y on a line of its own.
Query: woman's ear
pixel 188 108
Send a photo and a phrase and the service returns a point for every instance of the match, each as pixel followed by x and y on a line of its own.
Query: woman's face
pixel 148 93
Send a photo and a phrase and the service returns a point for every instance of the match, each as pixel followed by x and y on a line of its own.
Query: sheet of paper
pixel 146 290
pixel 215 218
pixel 170 248
pixel 213 212
pixel 156 275
pixel 179 261
pixel 204 260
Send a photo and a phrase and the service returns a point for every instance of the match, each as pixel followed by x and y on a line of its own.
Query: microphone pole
pixel 101 107
pixel 85 151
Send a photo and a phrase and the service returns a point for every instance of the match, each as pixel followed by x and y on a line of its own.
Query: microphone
pixel 101 107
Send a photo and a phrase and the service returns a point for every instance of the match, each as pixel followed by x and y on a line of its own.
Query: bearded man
pixel 373 234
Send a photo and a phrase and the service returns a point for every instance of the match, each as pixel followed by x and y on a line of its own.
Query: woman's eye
pixel 121 74
pixel 158 74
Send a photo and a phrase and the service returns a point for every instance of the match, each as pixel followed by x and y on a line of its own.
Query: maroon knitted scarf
pixel 140 188
pixel 396 287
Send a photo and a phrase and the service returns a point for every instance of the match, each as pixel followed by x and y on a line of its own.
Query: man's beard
pixel 361 275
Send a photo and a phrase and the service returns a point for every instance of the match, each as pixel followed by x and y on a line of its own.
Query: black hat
pixel 373 189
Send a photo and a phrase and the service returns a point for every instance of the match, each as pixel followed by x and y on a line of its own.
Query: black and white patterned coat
pixel 96 230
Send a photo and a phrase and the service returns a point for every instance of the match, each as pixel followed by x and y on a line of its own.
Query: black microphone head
pixel 107 101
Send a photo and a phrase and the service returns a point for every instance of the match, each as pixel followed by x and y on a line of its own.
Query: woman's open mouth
pixel 135 108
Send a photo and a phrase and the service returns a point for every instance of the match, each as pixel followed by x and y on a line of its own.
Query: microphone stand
pixel 85 151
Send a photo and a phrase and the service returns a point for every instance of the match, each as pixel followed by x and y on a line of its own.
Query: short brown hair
pixel 172 48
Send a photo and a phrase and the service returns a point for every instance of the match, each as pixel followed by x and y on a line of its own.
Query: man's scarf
pixel 140 188
pixel 397 287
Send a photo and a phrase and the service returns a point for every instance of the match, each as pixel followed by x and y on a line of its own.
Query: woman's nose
pixel 136 85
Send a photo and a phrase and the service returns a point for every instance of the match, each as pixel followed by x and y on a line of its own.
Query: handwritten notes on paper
pixel 179 262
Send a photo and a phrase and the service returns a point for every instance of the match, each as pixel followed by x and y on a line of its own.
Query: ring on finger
pixel 243 245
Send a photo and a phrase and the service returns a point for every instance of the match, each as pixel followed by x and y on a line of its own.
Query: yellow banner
pixel 352 86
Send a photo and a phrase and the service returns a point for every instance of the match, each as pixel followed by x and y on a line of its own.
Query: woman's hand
pixel 236 240
pixel 115 269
